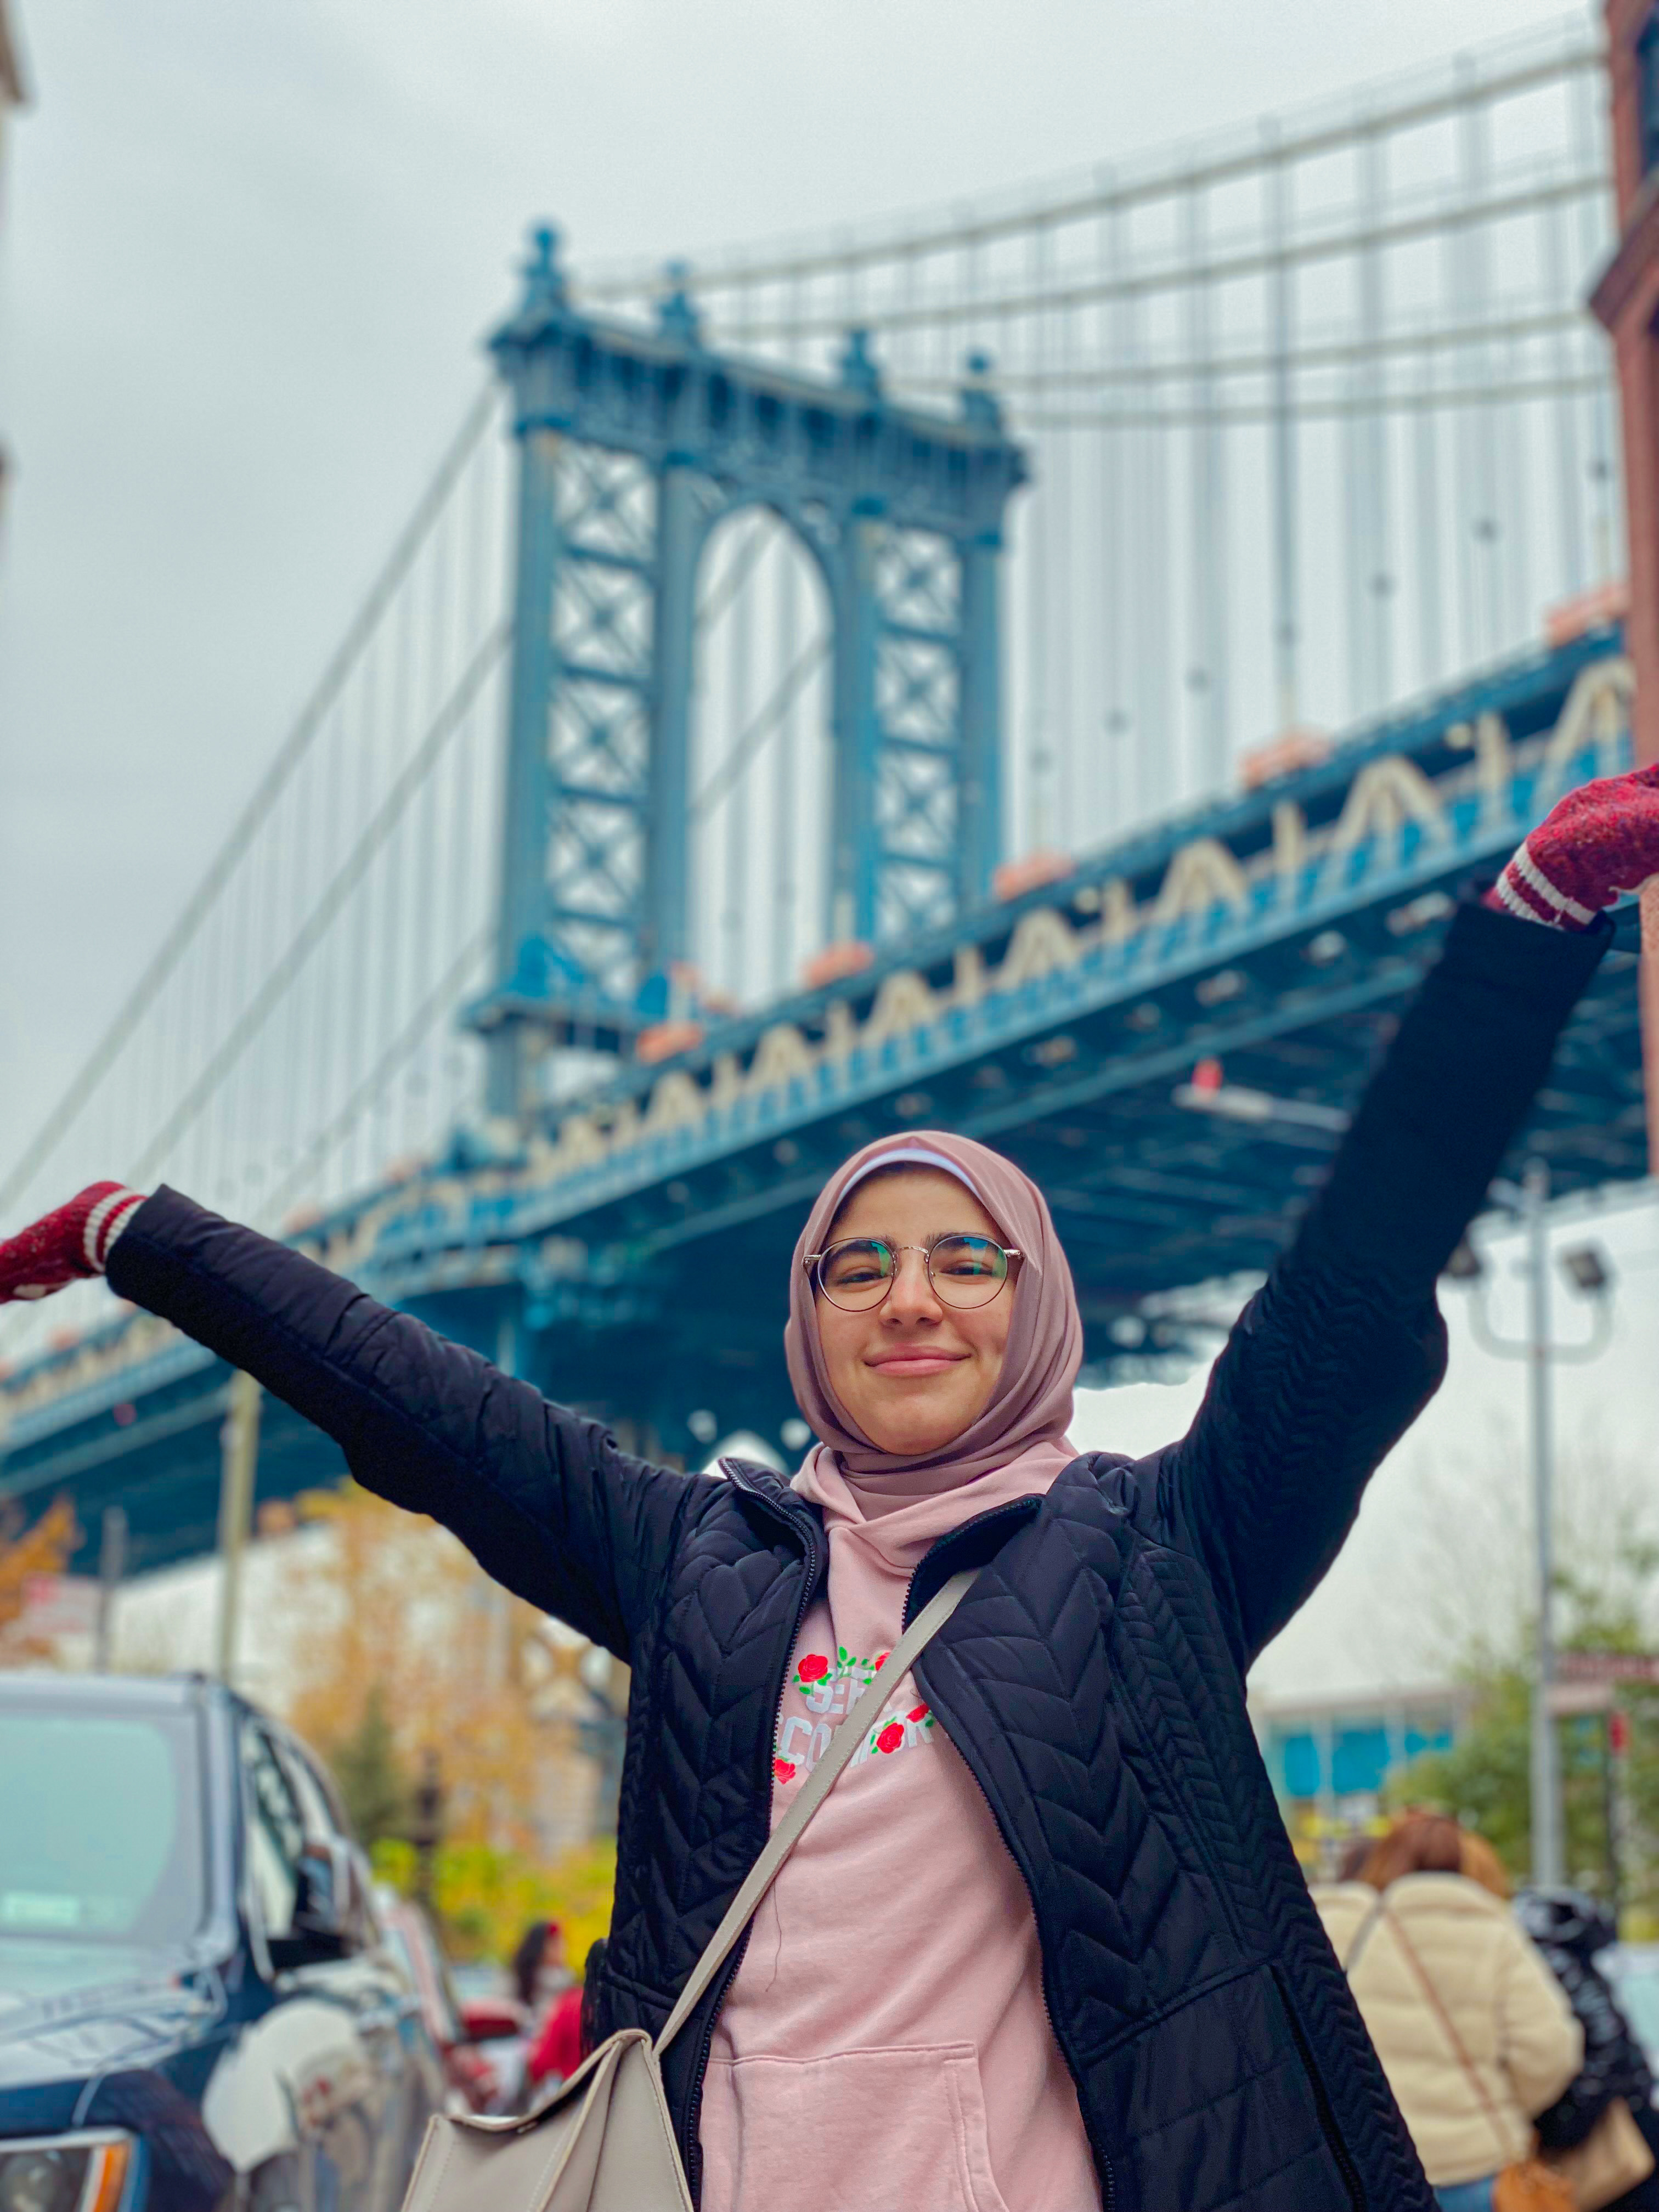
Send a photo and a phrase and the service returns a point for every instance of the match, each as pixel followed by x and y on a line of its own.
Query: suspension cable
pixel 435 1007
pixel 312 719
pixel 449 717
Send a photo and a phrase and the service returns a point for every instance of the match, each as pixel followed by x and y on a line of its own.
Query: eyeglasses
pixel 858 1274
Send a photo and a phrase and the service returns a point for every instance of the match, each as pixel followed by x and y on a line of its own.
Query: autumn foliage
pixel 43 1549
pixel 396 1642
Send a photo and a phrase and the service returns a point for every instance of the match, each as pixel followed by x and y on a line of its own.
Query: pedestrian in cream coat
pixel 1432 1929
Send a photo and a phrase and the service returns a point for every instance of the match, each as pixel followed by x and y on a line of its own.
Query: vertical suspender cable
pixel 325 1086
pixel 1589 130
pixel 1428 509
pixel 739 860
pixel 1281 314
pixel 1371 580
pixel 1038 830
pixel 1565 443
pixel 1206 675
pixel 1067 444
pixel 1154 720
pixel 1479 519
pixel 427 956
pixel 390 932
pixel 361 906
pixel 785 773
pixel 1107 812
pixel 1516 491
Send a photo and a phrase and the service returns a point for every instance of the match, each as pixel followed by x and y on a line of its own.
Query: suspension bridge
pixel 1043 667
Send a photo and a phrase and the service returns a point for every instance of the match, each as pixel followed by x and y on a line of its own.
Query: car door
pixel 319 2050
pixel 371 1979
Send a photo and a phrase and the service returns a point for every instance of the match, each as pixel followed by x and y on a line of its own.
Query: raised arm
pixel 543 1498
pixel 1340 1351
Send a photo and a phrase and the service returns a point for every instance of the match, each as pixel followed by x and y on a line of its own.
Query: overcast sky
pixel 249 253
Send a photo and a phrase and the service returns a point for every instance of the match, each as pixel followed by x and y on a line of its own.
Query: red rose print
pixel 891 1737
pixel 920 1714
pixel 814 1667
pixel 784 1769
pixel 882 1658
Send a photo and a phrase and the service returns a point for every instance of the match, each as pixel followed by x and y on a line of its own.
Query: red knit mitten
pixel 1598 840
pixel 67 1246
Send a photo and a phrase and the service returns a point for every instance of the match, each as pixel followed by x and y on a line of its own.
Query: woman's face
pixel 914 1373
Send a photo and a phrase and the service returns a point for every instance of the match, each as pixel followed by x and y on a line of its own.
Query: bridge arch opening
pixel 761 756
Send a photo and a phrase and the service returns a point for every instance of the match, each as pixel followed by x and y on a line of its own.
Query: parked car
pixel 1634 1971
pixel 498 2026
pixel 473 2078
pixel 199 2008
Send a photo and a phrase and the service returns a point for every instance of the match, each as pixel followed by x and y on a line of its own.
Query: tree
pixel 45 1548
pixel 373 1780
pixel 487 1899
pixel 397 1642
pixel 1606 1589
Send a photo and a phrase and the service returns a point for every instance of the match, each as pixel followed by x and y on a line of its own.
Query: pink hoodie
pixel 885 2046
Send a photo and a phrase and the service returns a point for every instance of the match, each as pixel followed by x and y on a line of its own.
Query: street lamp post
pixel 1589 1273
pixel 426 1825
pixel 1549 1858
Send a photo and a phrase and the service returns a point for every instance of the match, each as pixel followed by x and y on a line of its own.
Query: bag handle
pixel 788 1833
pixel 1455 2040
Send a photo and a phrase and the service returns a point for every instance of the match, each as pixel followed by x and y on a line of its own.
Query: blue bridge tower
pixel 634 445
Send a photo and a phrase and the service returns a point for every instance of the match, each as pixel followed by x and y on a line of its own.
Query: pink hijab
pixel 1031 1404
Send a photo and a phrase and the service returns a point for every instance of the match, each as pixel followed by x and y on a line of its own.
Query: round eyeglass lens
pixel 968 1271
pixel 857 1274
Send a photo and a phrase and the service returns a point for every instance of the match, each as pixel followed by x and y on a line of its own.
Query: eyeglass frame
pixel 811 1260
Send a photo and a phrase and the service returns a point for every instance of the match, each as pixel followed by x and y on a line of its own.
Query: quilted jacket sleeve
pixel 1344 1344
pixel 543 1498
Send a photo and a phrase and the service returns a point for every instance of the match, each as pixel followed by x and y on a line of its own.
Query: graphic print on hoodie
pixel 824 1686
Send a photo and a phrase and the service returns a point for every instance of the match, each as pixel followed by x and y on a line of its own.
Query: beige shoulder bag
pixel 604 2143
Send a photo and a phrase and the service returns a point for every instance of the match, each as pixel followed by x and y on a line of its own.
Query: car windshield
pixel 101 1846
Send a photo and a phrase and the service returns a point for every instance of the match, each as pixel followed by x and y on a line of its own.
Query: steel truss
pixel 634 445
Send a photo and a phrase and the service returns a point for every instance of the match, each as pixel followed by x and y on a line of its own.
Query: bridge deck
pixel 1280 931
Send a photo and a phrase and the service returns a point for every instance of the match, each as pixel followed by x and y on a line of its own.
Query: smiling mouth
pixel 918 1361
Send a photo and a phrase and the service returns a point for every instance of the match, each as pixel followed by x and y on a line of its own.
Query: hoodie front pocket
pixel 899 2130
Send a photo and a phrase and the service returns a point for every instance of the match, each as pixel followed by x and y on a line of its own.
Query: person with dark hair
pixel 1569 1928
pixel 539 1949
pixel 1045 1946
pixel 1474 2033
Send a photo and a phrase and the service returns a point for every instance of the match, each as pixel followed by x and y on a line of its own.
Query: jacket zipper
pixel 1102 2160
pixel 811 1575
pixel 1333 2135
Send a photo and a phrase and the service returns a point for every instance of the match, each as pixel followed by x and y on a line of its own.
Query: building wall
pixel 1330 1761
pixel 1626 301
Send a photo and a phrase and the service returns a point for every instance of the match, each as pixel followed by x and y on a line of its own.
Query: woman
pixel 1570 1929
pixel 538 1973
pixel 1471 2027
pixel 1046 1947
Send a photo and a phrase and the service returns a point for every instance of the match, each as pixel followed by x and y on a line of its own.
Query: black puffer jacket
pixel 1093 1679
pixel 1570 1928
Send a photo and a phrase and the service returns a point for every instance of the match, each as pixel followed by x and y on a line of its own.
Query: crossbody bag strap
pixel 815 1788
pixel 1455 2040
pixel 1367 1928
